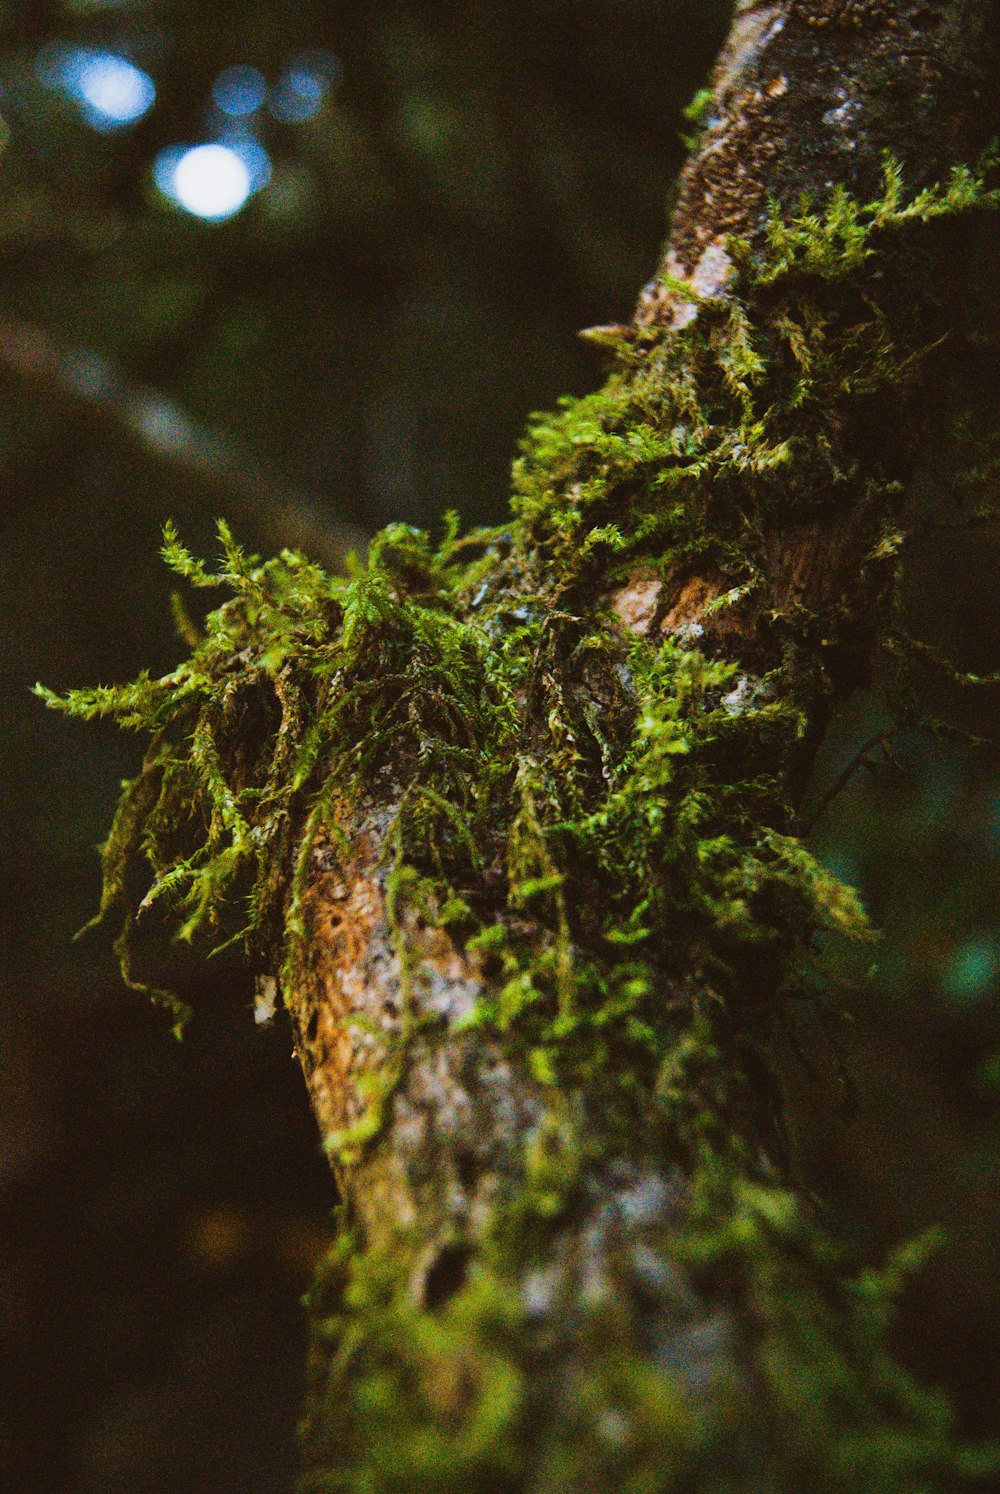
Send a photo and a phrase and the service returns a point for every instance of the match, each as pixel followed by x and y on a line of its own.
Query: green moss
pixel 841 237
pixel 696 452
pixel 607 822
pixel 693 451
pixel 785 1383
pixel 468 1397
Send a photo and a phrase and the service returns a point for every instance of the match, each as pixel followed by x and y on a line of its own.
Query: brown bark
pixel 807 94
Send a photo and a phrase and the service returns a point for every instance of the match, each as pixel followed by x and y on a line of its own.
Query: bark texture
pixel 808 95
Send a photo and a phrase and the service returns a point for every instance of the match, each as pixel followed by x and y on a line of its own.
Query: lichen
pixel 607 820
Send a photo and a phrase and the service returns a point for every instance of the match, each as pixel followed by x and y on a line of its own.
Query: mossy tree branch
pixel 517 820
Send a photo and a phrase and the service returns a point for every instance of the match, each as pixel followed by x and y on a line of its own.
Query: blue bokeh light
pixel 299 93
pixel 110 92
pixel 254 157
pixel 239 91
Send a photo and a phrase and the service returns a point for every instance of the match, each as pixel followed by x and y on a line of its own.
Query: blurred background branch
pixel 67 377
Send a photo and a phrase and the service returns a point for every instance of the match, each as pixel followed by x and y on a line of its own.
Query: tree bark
pixel 808 95
pixel 549 900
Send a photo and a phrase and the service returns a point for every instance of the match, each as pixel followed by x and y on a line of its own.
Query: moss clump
pixel 609 821
pixel 463 670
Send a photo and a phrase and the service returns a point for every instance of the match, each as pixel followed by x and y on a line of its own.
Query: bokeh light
pixel 239 91
pixel 972 970
pixel 253 155
pixel 299 93
pixel 210 181
pixel 110 92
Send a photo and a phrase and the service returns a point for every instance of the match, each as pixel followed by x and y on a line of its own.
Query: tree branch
pixel 518 819
pixel 621 1279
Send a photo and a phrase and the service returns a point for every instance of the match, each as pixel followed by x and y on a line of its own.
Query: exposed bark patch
pixel 636 604
pixel 687 612
pixel 341 918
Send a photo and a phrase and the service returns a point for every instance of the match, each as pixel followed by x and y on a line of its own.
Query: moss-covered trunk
pixel 519 816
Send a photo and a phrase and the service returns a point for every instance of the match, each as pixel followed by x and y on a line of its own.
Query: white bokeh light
pixel 210 181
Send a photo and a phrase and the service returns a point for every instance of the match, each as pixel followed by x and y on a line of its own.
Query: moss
pixel 697 113
pixel 475 1393
pixel 698 449
pixel 502 1387
pixel 608 822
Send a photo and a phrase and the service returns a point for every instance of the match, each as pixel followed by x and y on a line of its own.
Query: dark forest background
pixel 436 197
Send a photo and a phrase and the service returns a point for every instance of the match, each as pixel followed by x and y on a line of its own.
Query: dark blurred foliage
pixel 362 342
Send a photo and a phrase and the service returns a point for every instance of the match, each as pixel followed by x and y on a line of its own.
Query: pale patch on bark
pixel 707 279
pixel 754 25
pixel 637 602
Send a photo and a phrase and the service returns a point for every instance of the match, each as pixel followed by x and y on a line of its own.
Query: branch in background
pixel 249 492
